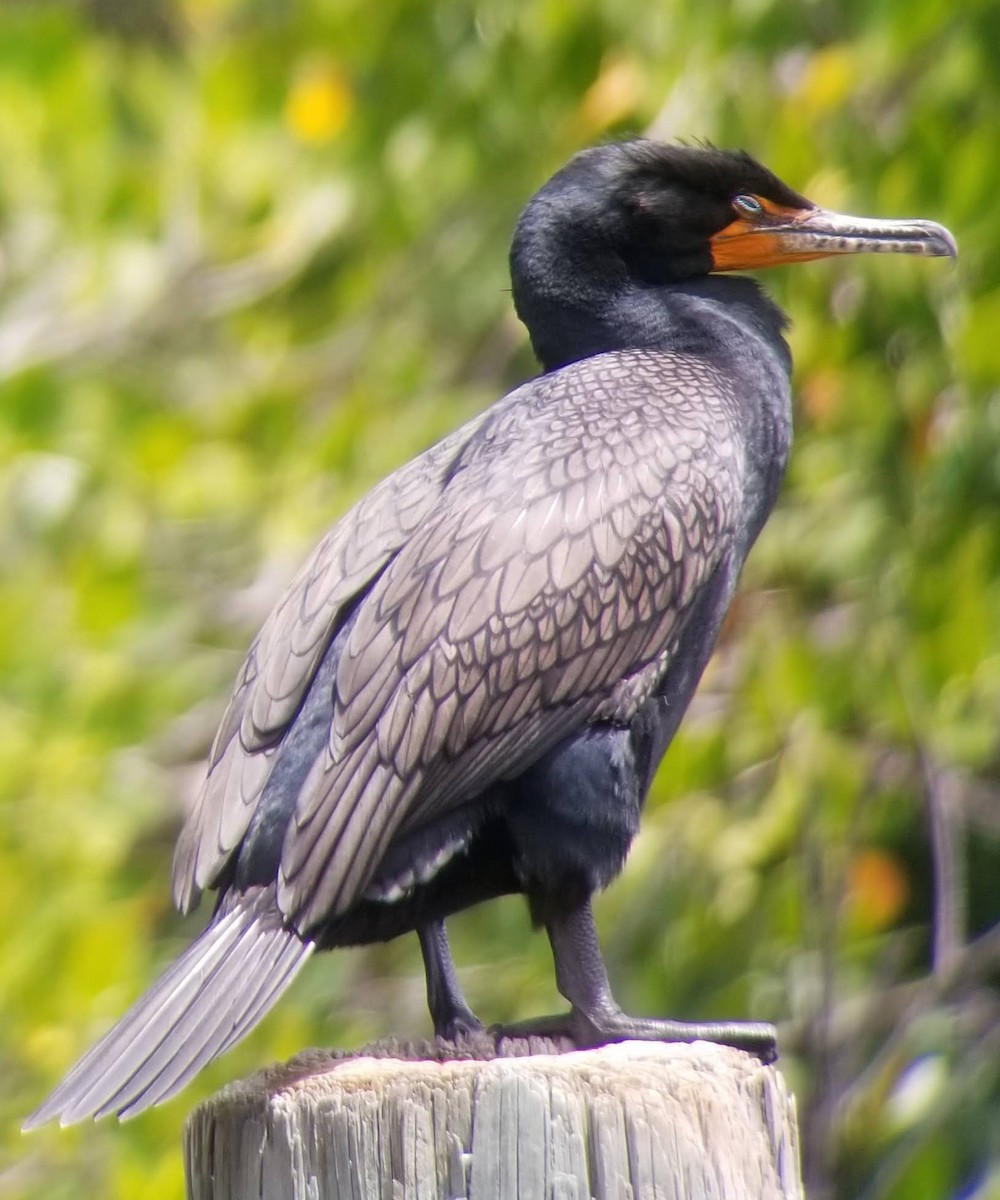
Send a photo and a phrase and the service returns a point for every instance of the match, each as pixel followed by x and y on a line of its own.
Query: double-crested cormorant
pixel 468 687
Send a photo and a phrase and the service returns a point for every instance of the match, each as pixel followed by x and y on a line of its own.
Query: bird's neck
pixel 701 316
pixel 727 321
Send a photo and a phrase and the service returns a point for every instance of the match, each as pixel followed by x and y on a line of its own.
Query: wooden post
pixel 400 1121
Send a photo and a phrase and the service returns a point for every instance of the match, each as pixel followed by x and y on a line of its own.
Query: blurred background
pixel 252 257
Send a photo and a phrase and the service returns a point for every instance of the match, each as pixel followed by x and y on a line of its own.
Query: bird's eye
pixel 749 205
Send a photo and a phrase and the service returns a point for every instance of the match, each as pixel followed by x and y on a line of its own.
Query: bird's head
pixel 674 212
pixel 640 214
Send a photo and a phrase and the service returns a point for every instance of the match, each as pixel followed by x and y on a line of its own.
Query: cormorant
pixel 468 686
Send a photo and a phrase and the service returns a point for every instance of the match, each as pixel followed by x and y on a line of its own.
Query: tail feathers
pixel 212 996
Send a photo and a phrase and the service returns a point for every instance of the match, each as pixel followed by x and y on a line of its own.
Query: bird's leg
pixel 449 1011
pixel 595 1019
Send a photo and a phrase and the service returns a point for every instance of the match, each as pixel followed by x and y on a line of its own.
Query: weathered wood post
pixel 399 1121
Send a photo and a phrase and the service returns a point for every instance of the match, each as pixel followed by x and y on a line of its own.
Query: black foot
pixel 595 1019
pixel 457 1025
pixel 588 1031
pixel 452 1017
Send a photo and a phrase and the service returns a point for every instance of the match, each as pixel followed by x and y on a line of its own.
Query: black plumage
pixel 469 685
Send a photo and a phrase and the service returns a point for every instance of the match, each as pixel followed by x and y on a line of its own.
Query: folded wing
pixel 544 589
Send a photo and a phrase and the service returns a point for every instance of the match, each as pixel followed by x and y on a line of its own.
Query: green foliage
pixel 252 256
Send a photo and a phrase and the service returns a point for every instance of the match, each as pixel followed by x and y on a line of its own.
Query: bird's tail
pixel 213 995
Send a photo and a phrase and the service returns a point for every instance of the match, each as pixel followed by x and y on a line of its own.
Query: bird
pixel 467 688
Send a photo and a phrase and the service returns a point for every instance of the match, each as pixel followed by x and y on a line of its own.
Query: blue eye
pixel 749 205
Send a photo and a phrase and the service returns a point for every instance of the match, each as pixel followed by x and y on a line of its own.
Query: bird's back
pixel 536 579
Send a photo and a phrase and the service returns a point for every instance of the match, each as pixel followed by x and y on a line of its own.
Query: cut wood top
pixel 518 1120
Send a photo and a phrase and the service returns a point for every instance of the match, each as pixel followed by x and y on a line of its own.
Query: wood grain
pixel 635 1121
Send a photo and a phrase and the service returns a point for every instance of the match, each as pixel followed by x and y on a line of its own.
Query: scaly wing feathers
pixel 284 656
pixel 543 589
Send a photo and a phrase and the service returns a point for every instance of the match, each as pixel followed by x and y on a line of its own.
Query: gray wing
pixel 546 587
pixel 284 656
